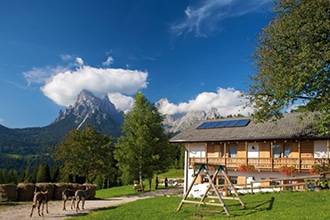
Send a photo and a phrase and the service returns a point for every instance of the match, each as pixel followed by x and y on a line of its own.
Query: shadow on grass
pixel 258 207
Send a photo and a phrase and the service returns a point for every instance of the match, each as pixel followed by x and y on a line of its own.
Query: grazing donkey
pixel 68 194
pixel 40 198
pixel 81 195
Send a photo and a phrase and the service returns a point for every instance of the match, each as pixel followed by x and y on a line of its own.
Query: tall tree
pixel 43 173
pixel 292 60
pixel 12 176
pixel 54 174
pixel 85 153
pixel 143 149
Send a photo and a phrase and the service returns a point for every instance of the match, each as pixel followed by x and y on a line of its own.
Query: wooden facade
pixel 264 156
pixel 268 146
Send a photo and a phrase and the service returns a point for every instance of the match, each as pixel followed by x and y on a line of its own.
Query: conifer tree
pixel 43 173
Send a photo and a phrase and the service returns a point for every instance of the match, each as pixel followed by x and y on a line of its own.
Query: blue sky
pixel 194 54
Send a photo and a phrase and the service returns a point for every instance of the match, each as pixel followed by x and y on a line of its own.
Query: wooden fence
pixel 300 183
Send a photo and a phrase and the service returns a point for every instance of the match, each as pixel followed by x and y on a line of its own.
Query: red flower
pixel 287 170
pixel 318 169
pixel 246 168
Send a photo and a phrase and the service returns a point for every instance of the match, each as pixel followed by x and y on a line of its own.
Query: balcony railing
pixel 263 164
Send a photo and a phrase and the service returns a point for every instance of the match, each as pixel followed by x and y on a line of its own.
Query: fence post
pixel 251 187
pixel 306 184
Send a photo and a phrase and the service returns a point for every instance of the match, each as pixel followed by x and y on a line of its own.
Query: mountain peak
pixel 88 105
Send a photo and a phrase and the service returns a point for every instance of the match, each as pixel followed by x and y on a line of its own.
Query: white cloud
pixel 227 101
pixel 66 57
pixel 122 102
pixel 63 87
pixel 41 75
pixel 108 61
pixel 206 16
pixel 79 61
pixel 295 105
pixel 62 84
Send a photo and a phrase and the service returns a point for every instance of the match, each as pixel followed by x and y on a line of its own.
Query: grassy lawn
pixel 172 173
pixel 128 190
pixel 115 192
pixel 285 205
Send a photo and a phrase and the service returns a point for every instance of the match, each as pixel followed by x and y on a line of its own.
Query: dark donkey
pixel 40 198
pixel 81 195
pixel 68 194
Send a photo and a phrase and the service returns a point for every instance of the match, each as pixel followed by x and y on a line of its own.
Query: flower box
pixel 246 168
pixel 287 170
pixel 318 169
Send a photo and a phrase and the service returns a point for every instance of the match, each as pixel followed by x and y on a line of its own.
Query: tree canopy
pixel 292 60
pixel 143 149
pixel 86 153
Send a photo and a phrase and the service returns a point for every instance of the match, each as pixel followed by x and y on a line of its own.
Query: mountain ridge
pixel 88 109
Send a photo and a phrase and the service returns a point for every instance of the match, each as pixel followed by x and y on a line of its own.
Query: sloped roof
pixel 289 127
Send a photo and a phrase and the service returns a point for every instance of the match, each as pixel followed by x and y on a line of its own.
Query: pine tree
pixel 54 174
pixel 12 177
pixel 2 176
pixel 43 173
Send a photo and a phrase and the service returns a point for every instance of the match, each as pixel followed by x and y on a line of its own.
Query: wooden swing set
pixel 205 168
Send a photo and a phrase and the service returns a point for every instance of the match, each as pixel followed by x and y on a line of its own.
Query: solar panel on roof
pixel 243 122
pixel 224 124
pixel 207 125
pixel 221 124
pixel 212 124
pixel 231 123
pixel 203 125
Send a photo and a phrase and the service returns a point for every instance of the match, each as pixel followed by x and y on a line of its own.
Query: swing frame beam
pixel 219 168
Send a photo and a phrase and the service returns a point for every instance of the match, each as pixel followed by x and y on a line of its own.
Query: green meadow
pixel 284 205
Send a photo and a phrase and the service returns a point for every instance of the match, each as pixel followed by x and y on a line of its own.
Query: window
pixel 221 181
pixel 287 150
pixel 197 152
pixel 277 151
pixel 233 179
pixel 233 151
pixel 320 149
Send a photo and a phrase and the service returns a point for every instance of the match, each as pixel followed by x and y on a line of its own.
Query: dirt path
pixel 22 211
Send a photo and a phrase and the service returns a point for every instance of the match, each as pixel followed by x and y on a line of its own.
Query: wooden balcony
pixel 263 164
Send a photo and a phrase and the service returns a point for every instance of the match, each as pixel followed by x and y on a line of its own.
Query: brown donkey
pixel 40 198
pixel 68 194
pixel 81 195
